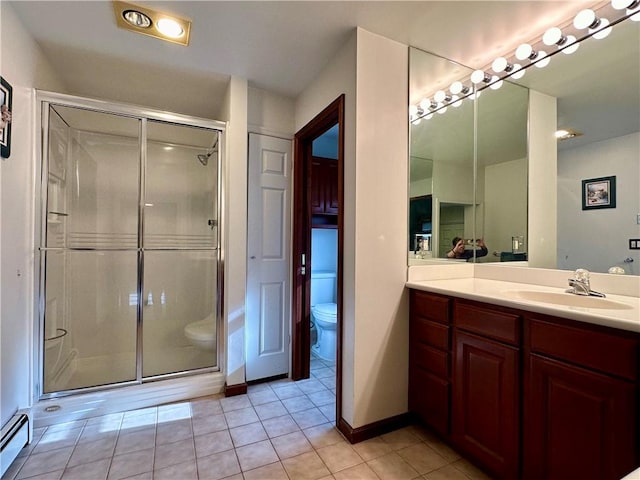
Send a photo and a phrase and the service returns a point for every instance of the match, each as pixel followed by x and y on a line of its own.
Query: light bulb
pixel 603 29
pixel 442 110
pixel 456 88
pixel 636 16
pixel 413 110
pixel 417 121
pixel 137 19
pixel 543 59
pixel 518 71
pixel 479 76
pixel 553 36
pixel 585 19
pixel 475 94
pixel 170 28
pixel 500 64
pixel 428 116
pixel 622 4
pixel 440 96
pixel 524 52
pixel 425 103
pixel 456 101
pixel 572 45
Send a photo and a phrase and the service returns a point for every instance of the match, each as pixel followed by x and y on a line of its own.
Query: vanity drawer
pixel 431 333
pixel 429 398
pixel 431 306
pixel 496 324
pixel 606 351
pixel 430 359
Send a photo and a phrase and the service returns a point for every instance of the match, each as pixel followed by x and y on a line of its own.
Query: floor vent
pixel 15 435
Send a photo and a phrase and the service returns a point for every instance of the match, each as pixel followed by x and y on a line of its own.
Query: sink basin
pixel 567 299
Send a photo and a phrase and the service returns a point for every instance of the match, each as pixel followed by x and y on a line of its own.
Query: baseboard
pixel 386 425
pixel 233 390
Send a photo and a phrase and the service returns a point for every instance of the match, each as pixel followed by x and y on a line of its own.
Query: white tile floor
pixel 278 430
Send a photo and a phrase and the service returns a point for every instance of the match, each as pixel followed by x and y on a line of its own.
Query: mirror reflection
pixel 598 95
pixel 468 186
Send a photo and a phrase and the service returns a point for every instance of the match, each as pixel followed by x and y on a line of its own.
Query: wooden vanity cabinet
pixel 581 400
pixel 486 386
pixel 429 359
pixel 526 395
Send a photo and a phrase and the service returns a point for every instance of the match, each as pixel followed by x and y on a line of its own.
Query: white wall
pixel 339 77
pixel 24 67
pixel 235 213
pixel 324 249
pixel 270 114
pixel 505 204
pixel 599 238
pixel 372 72
pixel 543 196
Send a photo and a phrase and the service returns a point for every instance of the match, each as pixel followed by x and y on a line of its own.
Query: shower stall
pixel 129 259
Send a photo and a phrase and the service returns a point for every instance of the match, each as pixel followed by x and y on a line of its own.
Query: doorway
pixel 318 204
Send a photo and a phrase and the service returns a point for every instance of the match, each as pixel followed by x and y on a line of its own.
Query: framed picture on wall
pixel 6 101
pixel 599 193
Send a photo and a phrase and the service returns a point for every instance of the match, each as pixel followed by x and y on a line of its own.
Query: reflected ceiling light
pixel 152 22
pixel 622 4
pixel 572 45
pixel 496 83
pixel 413 110
pixel 602 30
pixel 456 101
pixel 442 110
pixel 543 60
pixel 566 133
pixel 479 76
pixel 518 71
pixel 636 16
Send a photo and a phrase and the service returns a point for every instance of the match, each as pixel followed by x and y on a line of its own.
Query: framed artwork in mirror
pixel 599 193
pixel 6 101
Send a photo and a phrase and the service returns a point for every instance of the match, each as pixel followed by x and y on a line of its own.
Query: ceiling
pixel 276 46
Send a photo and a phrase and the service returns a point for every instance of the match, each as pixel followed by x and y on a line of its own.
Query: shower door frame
pixel 45 99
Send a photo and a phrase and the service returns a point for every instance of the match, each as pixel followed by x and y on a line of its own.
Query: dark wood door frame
pixel 300 308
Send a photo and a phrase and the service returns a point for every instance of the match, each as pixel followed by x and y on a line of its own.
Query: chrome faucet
pixel 580 284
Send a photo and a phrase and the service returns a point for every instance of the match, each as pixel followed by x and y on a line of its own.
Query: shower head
pixel 203 158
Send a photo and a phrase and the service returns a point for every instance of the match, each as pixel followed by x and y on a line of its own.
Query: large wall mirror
pixel 470 165
pixel 468 169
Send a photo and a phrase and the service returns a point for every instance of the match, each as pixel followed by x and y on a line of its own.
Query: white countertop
pixel 499 292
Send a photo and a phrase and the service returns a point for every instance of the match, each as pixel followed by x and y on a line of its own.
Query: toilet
pixel 202 334
pixel 324 313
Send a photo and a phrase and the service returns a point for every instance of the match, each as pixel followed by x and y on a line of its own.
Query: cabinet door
pixel 485 412
pixel 317 184
pixel 577 423
pixel 429 399
pixel 331 187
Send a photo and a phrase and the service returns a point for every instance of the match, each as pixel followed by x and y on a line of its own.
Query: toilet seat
pixel 326 312
pixel 203 330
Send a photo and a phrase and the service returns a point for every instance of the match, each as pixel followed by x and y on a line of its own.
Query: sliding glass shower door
pixel 129 248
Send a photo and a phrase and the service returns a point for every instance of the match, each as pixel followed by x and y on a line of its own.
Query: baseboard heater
pixel 15 435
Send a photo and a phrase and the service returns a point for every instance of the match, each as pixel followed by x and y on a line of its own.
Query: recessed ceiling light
pixel 152 22
pixel 137 19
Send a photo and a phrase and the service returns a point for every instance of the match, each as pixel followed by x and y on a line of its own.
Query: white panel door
pixel 268 250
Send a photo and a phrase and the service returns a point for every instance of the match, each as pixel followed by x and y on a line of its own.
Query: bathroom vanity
pixel 523 388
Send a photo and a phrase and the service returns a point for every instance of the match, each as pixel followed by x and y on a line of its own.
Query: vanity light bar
pixel 566 39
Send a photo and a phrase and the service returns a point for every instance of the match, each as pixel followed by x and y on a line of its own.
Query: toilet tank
pixel 323 287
